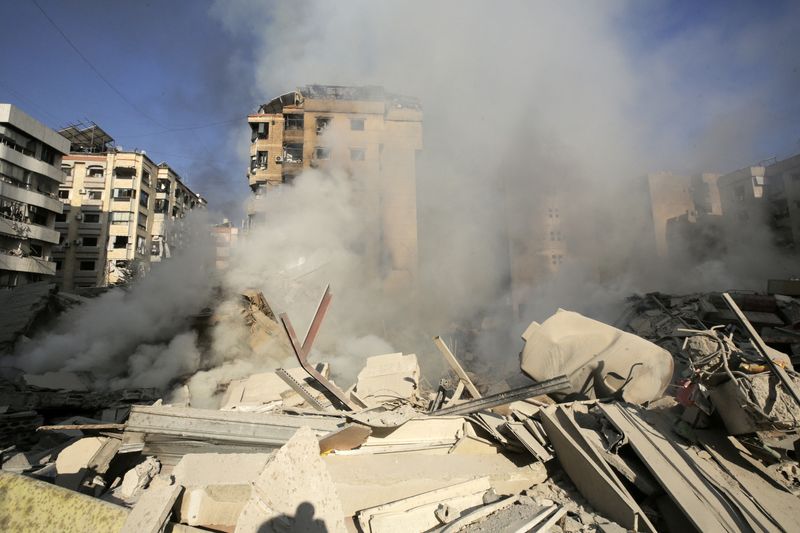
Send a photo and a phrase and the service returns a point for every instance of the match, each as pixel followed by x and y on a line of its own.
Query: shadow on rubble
pixel 302 521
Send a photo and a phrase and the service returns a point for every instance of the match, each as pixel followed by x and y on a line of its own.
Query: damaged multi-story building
pixel 373 136
pixel 766 195
pixel 704 216
pixel 118 205
pixel 30 160
pixel 537 242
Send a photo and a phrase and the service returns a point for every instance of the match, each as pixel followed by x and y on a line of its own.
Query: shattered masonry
pixel 681 416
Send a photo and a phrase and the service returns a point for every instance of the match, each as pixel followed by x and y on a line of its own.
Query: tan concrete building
pixel 30 160
pixel 673 201
pixel 783 193
pixel 116 205
pixel 763 197
pixel 373 136
pixel 537 243
pixel 226 237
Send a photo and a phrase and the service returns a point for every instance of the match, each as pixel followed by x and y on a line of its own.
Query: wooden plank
pixel 453 364
pixel 347 438
pixel 153 509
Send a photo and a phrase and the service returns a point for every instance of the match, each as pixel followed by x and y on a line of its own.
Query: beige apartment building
pixel 226 238
pixel 373 136
pixel 30 160
pixel 537 242
pixel 117 208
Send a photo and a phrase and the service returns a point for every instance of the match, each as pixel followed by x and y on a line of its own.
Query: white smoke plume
pixel 129 335
pixel 524 98
pixel 519 99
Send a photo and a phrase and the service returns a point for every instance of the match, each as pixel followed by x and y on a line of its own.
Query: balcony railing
pixel 16 261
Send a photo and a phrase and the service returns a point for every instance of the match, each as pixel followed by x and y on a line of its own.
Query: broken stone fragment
pixel 600 361
pixel 294 491
pixel 138 477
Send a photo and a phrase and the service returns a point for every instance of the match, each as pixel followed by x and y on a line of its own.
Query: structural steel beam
pixel 555 384
pixel 301 351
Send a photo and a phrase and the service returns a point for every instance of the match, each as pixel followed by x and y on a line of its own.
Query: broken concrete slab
pixel 430 435
pixel 267 388
pixel 294 487
pixel 152 510
pixel 216 486
pixel 418 512
pixel 593 477
pixel 364 481
pixel 695 490
pixel 29 505
pixel 600 360
pixel 73 461
pixel 137 478
pixel 388 377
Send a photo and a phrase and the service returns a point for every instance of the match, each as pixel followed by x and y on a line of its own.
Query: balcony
pixel 23 230
pixel 293 135
pixel 31 163
pixel 13 191
pixel 34 265
pixel 94 182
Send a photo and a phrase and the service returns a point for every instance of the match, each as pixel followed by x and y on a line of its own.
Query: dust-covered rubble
pixel 682 415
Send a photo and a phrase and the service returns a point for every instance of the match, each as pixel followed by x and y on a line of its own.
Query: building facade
pixel 373 136
pixel 226 237
pixel 117 205
pixel 30 175
pixel 763 198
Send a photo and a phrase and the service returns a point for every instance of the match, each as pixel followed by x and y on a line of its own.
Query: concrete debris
pixel 294 491
pixel 216 486
pixel 265 391
pixel 680 417
pixel 137 478
pixel 72 463
pixel 599 360
pixel 388 377
pixel 153 509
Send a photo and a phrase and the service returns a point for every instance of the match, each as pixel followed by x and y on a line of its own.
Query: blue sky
pixel 169 59
pixel 186 81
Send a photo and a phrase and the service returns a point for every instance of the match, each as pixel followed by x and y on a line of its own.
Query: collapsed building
pixel 682 415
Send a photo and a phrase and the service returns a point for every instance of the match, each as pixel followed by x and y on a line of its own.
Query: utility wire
pixel 185 128
pixel 91 66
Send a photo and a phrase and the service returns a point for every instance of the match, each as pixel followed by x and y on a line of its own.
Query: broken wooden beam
pixel 452 362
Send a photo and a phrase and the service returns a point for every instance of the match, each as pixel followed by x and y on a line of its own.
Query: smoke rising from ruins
pixel 544 99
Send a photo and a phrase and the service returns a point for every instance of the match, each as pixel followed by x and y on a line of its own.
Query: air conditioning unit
pixel 78 242
pixel 82 191
pixel 66 244
pixel 278 159
pixel 79 216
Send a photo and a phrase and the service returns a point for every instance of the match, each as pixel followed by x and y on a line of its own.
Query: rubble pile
pixel 682 417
